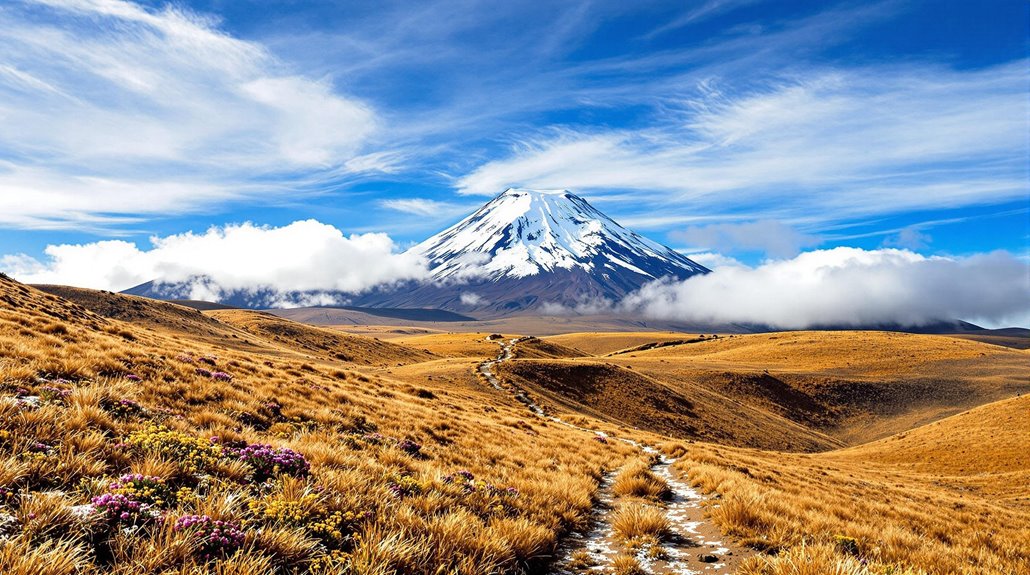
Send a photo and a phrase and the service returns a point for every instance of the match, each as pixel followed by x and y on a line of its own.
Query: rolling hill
pixel 374 439
pixel 329 344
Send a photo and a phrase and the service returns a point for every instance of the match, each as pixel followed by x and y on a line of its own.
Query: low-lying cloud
pixel 304 256
pixel 848 287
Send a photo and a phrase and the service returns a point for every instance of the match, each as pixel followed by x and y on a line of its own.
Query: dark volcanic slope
pixel 557 291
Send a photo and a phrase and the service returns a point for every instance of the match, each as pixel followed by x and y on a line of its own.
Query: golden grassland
pixel 903 505
pixel 854 386
pixel 471 345
pixel 984 451
pixel 393 456
pixel 626 397
pixel 537 348
pixel 329 344
pixel 386 332
pixel 381 495
pixel 860 352
pixel 603 343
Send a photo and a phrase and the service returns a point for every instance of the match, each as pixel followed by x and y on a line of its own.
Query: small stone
pixel 8 525
pixel 82 511
pixel 707 558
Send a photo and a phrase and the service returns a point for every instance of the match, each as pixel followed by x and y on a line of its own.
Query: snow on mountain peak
pixel 524 232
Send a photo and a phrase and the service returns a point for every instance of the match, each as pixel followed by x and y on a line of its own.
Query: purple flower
pixel 133 377
pixel 38 447
pixel 268 462
pixel 210 360
pixel 185 358
pixel 218 538
pixel 404 487
pixel 374 438
pixel 221 376
pixel 600 439
pixel 118 508
pixel 408 446
pixel 203 372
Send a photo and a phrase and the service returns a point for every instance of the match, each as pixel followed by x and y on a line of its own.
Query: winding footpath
pixel 694 546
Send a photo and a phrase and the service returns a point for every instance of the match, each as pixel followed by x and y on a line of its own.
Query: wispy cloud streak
pixel 843 143
pixel 112 110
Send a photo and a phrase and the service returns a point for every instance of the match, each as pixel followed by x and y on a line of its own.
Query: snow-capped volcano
pixel 529 249
pixel 524 232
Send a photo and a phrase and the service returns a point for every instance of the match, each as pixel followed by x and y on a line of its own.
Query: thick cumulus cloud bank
pixel 302 256
pixel 848 287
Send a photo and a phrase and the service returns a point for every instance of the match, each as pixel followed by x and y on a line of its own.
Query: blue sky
pixel 745 128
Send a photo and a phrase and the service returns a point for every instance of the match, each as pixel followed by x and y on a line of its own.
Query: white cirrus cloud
pixel 423 207
pixel 848 287
pixel 823 145
pixel 111 110
pixel 300 257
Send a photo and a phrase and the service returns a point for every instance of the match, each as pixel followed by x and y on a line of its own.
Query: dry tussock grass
pixel 625 397
pixel 604 343
pixel 436 480
pixel 808 560
pixel 852 386
pixel 627 565
pixel 407 473
pixel 636 479
pixel 637 521
pixel 849 510
pixel 23 556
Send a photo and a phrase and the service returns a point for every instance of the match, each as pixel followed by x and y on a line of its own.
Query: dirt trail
pixel 695 545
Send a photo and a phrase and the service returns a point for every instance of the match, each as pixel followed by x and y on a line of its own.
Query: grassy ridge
pixel 876 508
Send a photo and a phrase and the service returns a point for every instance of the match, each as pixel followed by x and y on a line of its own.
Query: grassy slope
pixel 624 397
pixel 985 450
pixel 146 313
pixel 537 348
pixel 603 343
pixel 324 412
pixel 471 345
pixel 318 341
pixel 946 498
pixel 856 386
pixel 914 501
